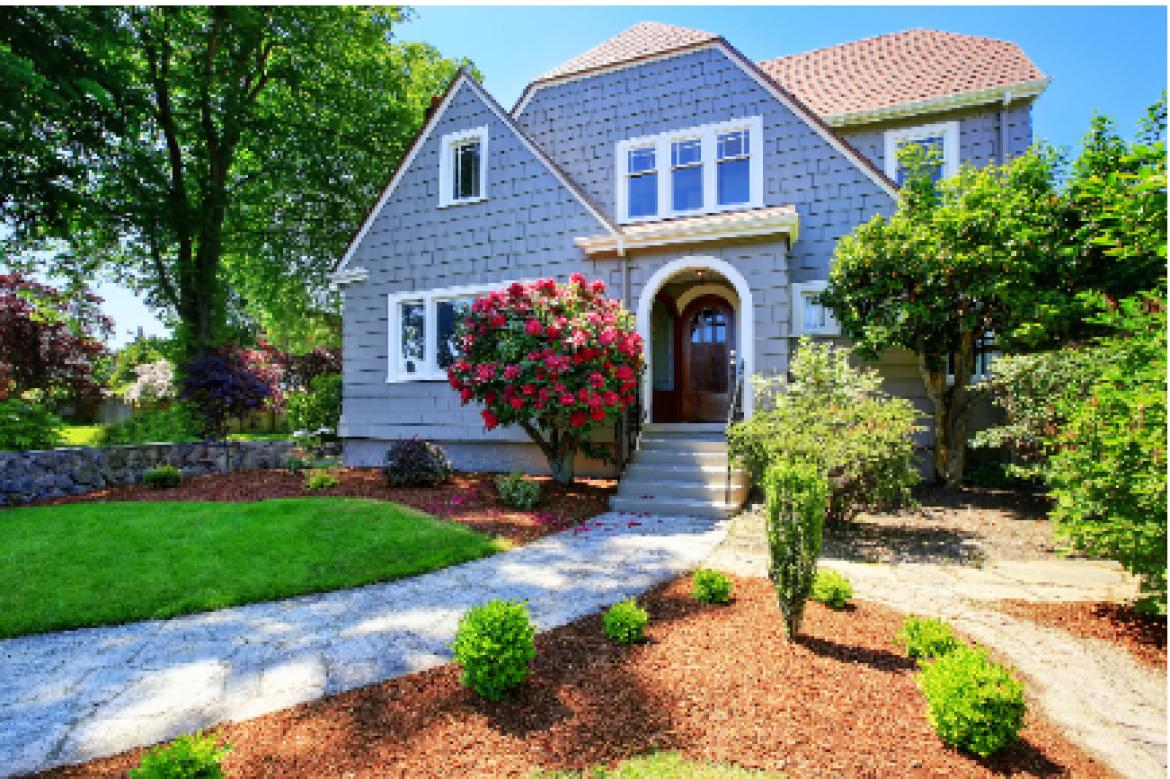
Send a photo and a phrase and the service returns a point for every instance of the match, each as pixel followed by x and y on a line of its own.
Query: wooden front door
pixel 708 337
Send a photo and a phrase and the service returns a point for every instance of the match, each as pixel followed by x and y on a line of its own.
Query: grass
pixel 663 765
pixel 81 435
pixel 107 563
pixel 260 436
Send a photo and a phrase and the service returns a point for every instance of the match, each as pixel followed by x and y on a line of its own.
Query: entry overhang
pixel 777 220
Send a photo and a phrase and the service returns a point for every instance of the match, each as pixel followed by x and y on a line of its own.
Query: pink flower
pixel 485 371
pixel 579 338
pixel 577 278
pixel 532 327
pixel 608 336
pixel 490 420
pixel 612 398
pixel 511 372
pixel 577 419
pixel 598 287
pixel 596 380
pixel 567 399
pixel 528 389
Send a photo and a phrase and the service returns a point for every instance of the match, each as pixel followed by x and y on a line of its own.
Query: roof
pixel 695 229
pixel 645 39
pixel 899 68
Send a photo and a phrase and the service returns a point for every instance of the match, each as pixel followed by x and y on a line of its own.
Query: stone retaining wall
pixel 26 476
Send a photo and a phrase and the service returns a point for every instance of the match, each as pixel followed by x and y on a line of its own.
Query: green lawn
pixel 81 435
pixel 109 563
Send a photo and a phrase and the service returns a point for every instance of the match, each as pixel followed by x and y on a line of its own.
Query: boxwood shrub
pixel 972 703
pixel 625 622
pixel 495 644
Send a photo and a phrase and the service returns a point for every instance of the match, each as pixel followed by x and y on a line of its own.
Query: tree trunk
pixel 953 405
pixel 560 449
pixel 561 467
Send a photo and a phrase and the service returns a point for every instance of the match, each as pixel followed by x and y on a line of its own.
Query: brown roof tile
pixel 642 40
pixel 901 67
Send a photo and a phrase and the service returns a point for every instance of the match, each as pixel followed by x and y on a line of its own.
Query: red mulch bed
pixel 1142 635
pixel 716 683
pixel 469 499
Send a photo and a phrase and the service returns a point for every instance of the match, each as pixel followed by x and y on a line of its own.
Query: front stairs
pixel 680 469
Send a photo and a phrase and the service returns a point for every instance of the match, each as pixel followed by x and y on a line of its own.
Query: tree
pixel 49 339
pixel 216 158
pixel 957 260
pixel 559 360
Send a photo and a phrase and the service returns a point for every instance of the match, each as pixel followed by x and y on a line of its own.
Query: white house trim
pixel 800 293
pixel 692 294
pixel 977 97
pixel 948 131
pixel 463 79
pixel 776 220
pixel 745 322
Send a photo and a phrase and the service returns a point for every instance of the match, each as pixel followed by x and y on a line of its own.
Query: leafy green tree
pixel 216 158
pixel 958 259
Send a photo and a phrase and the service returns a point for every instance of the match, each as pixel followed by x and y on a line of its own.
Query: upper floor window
pixel 463 167
pixel 942 139
pixel 703 169
pixel 809 315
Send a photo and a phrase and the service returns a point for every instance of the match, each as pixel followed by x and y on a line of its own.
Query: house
pixel 707 190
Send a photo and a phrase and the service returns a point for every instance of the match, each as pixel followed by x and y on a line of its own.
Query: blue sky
pixel 1110 60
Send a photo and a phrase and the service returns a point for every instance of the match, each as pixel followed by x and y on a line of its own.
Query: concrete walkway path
pixel 1095 692
pixel 69 697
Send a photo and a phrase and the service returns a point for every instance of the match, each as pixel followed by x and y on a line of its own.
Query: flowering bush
pixel 155 382
pixel 556 359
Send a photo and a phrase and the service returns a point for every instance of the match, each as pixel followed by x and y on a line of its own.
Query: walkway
pixel 1097 693
pixel 69 697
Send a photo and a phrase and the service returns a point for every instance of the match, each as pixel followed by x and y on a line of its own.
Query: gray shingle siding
pixel 524 229
pixel 579 122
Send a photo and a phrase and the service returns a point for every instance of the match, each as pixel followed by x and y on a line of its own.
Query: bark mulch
pixel 469 499
pixel 1142 635
pixel 717 683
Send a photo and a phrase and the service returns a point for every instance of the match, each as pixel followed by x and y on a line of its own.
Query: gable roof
pixel 645 39
pixel 460 79
pixel 912 66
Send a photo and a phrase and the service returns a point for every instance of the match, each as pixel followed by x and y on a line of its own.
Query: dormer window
pixel 699 170
pixel 463 167
pixel 942 138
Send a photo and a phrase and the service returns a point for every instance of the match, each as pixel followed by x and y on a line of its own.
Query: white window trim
pixel 799 291
pixel 429 370
pixel 450 141
pixel 948 131
pixel 707 134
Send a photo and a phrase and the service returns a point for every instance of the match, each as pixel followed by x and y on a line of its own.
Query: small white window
pixel 423 329
pixel 463 167
pixel 809 315
pixel 698 170
pixel 942 137
pixel 985 356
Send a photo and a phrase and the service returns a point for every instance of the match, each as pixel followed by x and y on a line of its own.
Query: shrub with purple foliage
pixel 222 385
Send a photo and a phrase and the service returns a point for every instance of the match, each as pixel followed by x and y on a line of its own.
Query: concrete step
pixel 683 471
pixel 662 489
pixel 674 507
pixel 679 458
pixel 671 444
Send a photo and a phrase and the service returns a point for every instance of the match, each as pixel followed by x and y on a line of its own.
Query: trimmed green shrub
pixel 834 415
pixel 973 703
pixel 625 622
pixel 831 589
pixel 162 477
pixel 925 639
pixel 295 465
pixel 318 407
pixel 187 757
pixel 413 462
pixel 320 479
pixel 709 586
pixel 174 424
pixel 517 490
pixel 797 498
pixel 25 425
pixel 495 644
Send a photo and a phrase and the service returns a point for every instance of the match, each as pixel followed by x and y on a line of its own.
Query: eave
pixel 731 225
pixel 997 95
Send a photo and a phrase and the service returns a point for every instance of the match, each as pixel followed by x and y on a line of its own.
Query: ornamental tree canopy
pixel 559 360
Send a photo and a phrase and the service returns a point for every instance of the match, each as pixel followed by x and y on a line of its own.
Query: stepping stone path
pixel 73 696
pixel 1095 692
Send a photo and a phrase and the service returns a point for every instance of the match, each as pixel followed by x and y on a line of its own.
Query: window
pixel 704 169
pixel 943 137
pixel 985 355
pixel 423 329
pixel 686 175
pixel 463 167
pixel 643 182
pixel 809 315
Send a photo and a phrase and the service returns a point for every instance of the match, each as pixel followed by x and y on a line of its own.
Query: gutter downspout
pixel 1007 98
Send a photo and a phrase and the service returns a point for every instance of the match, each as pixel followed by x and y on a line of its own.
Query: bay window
pixel 698 170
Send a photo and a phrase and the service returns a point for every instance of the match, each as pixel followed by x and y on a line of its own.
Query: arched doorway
pixel 690 377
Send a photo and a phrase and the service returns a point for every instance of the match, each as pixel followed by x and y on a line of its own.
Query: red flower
pixel 598 414
pixel 497 321
pixel 624 372
pixel 577 279
pixel 612 398
pixel 490 419
pixel 517 402
pixel 596 380
pixel 465 395
pixel 598 287
pixel 608 336
pixel 529 389
pixel 577 419
pixel 567 399
pixel 511 372
pixel 532 327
